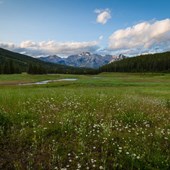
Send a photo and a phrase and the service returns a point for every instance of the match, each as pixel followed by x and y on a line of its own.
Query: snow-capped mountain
pixel 85 59
pixel 117 58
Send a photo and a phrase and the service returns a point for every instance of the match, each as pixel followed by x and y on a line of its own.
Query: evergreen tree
pixel 6 68
pixel 11 67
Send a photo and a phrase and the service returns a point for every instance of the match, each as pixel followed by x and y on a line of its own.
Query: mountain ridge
pixel 84 59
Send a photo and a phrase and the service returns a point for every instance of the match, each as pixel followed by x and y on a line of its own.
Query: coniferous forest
pixel 159 62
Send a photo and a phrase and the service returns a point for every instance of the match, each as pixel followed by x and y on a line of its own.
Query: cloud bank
pixel 143 37
pixel 37 49
pixel 103 16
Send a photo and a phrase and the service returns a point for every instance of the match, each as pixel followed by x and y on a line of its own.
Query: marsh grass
pixel 115 121
pixel 168 103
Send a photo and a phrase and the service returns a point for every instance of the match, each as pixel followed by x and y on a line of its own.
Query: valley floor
pixel 106 121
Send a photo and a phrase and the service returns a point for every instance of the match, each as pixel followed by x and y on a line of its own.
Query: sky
pixel 66 27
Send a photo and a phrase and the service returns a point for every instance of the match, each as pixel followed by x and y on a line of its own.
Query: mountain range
pixel 84 59
pixel 11 62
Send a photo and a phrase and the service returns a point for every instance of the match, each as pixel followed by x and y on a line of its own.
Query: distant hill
pixel 159 62
pixel 11 62
pixel 85 59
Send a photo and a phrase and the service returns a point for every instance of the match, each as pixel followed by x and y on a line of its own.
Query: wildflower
pixel 138 157
pixel 134 155
pixel 79 165
pixel 100 167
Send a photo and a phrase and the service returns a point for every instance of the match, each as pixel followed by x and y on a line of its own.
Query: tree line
pixel 10 67
pixel 159 62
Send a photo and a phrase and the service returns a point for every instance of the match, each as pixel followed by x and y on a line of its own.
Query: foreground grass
pixel 109 121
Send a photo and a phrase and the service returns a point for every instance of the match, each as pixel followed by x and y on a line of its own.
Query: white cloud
pixel 51 47
pixel 103 16
pixel 8 45
pixel 145 36
pixel 28 44
pixel 101 37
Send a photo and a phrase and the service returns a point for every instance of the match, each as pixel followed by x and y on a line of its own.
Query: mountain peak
pixel 121 56
pixel 85 54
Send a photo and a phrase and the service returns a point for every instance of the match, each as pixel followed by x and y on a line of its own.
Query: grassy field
pixel 106 121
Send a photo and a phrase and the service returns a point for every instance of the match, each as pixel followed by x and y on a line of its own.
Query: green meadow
pixel 106 121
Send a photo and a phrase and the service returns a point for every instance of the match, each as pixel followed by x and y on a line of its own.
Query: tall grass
pixel 111 122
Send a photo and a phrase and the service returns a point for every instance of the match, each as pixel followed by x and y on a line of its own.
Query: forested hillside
pixel 159 62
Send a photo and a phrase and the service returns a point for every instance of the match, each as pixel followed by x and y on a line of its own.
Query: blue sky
pixel 63 27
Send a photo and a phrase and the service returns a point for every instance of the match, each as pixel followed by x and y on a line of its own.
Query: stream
pixel 48 81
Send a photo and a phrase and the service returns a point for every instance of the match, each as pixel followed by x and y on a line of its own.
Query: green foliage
pixel 159 62
pixel 5 123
